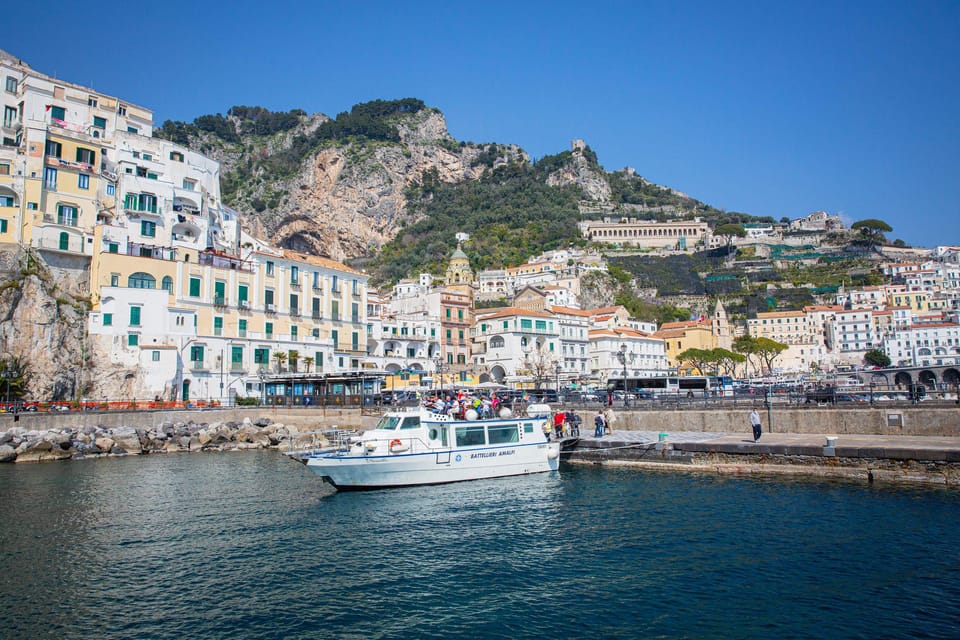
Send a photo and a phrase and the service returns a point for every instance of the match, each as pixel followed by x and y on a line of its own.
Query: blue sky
pixel 772 108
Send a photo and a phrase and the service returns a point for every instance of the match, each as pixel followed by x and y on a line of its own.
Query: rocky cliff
pixel 43 311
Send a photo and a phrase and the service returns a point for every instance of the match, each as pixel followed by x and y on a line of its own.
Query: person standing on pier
pixel 755 423
pixel 600 423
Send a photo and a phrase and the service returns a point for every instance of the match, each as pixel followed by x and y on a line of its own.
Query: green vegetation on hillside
pixel 510 214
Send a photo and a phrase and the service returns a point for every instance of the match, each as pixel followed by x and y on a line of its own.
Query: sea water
pixel 253 545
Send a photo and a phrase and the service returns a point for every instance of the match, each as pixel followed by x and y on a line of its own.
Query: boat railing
pixel 325 441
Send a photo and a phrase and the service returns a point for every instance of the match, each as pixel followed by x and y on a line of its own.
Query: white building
pixel 923 345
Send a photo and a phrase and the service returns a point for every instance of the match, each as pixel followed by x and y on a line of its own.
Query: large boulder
pixel 104 443
pixel 7 453
pixel 126 438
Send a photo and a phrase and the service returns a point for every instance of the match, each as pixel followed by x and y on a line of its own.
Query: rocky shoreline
pixel 73 443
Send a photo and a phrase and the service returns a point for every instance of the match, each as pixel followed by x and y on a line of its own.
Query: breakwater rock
pixel 26 445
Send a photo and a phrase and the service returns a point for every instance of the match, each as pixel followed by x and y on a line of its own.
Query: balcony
pixel 244 305
pixel 237 367
pixel 200 365
pixel 241 333
pixel 219 301
pixel 150 251
pixel 315 315
pixel 270 308
pixel 295 312
pixel 220 260
pixel 294 284
pixel 60 163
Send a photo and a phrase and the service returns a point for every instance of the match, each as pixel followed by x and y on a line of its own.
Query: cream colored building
pixel 680 235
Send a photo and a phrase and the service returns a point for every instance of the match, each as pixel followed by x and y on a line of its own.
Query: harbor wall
pixel 916 421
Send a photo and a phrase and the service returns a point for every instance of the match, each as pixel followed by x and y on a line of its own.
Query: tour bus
pixel 689 386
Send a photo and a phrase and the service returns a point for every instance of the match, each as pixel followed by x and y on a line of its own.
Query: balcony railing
pixel 150 251
pixel 295 311
pixel 219 301
pixel 199 365
pixel 236 367
pixel 60 163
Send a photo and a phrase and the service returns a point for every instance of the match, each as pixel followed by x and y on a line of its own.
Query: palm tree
pixel 308 362
pixel 293 356
pixel 280 357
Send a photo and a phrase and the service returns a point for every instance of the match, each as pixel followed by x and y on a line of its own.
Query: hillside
pixel 385 184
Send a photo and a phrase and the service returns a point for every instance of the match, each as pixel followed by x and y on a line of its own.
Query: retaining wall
pixel 914 421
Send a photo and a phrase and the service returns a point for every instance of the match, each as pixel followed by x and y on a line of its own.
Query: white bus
pixel 689 386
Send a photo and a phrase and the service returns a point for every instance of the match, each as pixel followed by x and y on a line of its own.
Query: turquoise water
pixel 252 545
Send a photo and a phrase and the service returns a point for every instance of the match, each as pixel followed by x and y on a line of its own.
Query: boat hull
pixel 353 472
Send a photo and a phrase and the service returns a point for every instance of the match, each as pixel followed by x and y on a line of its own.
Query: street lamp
pixel 622 357
pixel 263 387
pixel 438 367
pixel 8 375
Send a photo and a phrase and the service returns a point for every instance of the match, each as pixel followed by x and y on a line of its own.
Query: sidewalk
pixel 891 447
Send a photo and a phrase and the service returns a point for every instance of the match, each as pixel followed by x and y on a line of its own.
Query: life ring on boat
pixel 396 445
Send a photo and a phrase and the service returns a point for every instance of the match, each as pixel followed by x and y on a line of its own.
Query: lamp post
pixel 559 368
pixel 622 357
pixel 263 387
pixel 8 375
pixel 438 367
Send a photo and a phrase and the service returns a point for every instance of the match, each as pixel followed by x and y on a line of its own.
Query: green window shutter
pixel 242 293
pixel 100 123
pixel 113 247
pixel 318 360
pixel 236 355
pixel 335 336
pixel 293 332
pixel 196 354
pixel 108 319
pixel 133 339
pixel 218 322
pixel 334 309
pixel 242 325
pixel 194 287
pixel 57 113
pixel 134 316
pixel 269 328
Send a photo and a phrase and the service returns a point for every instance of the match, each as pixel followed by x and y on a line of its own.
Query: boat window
pixel 388 423
pixel 470 436
pixel 501 435
pixel 412 422
pixel 527 427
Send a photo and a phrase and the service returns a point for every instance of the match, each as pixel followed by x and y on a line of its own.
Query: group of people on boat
pixel 459 404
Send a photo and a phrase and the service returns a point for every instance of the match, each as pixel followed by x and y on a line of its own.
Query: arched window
pixel 496 342
pixel 167 284
pixel 141 280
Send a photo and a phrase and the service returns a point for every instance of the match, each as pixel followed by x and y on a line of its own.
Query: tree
pixel 703 360
pixel 877 358
pixel 746 345
pixel 280 357
pixel 16 377
pixel 308 362
pixel 293 356
pixel 768 350
pixel 872 230
pixel 539 364
pixel 730 229
pixel 727 360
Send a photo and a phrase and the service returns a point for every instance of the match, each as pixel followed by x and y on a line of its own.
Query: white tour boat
pixel 420 447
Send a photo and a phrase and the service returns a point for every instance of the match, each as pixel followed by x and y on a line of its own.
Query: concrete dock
pixel 928 459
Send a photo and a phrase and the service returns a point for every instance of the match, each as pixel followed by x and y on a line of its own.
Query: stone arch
pixel 951 377
pixel 903 379
pixel 928 379
pixel 497 373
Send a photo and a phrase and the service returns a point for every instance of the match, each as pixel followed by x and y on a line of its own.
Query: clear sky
pixel 772 108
